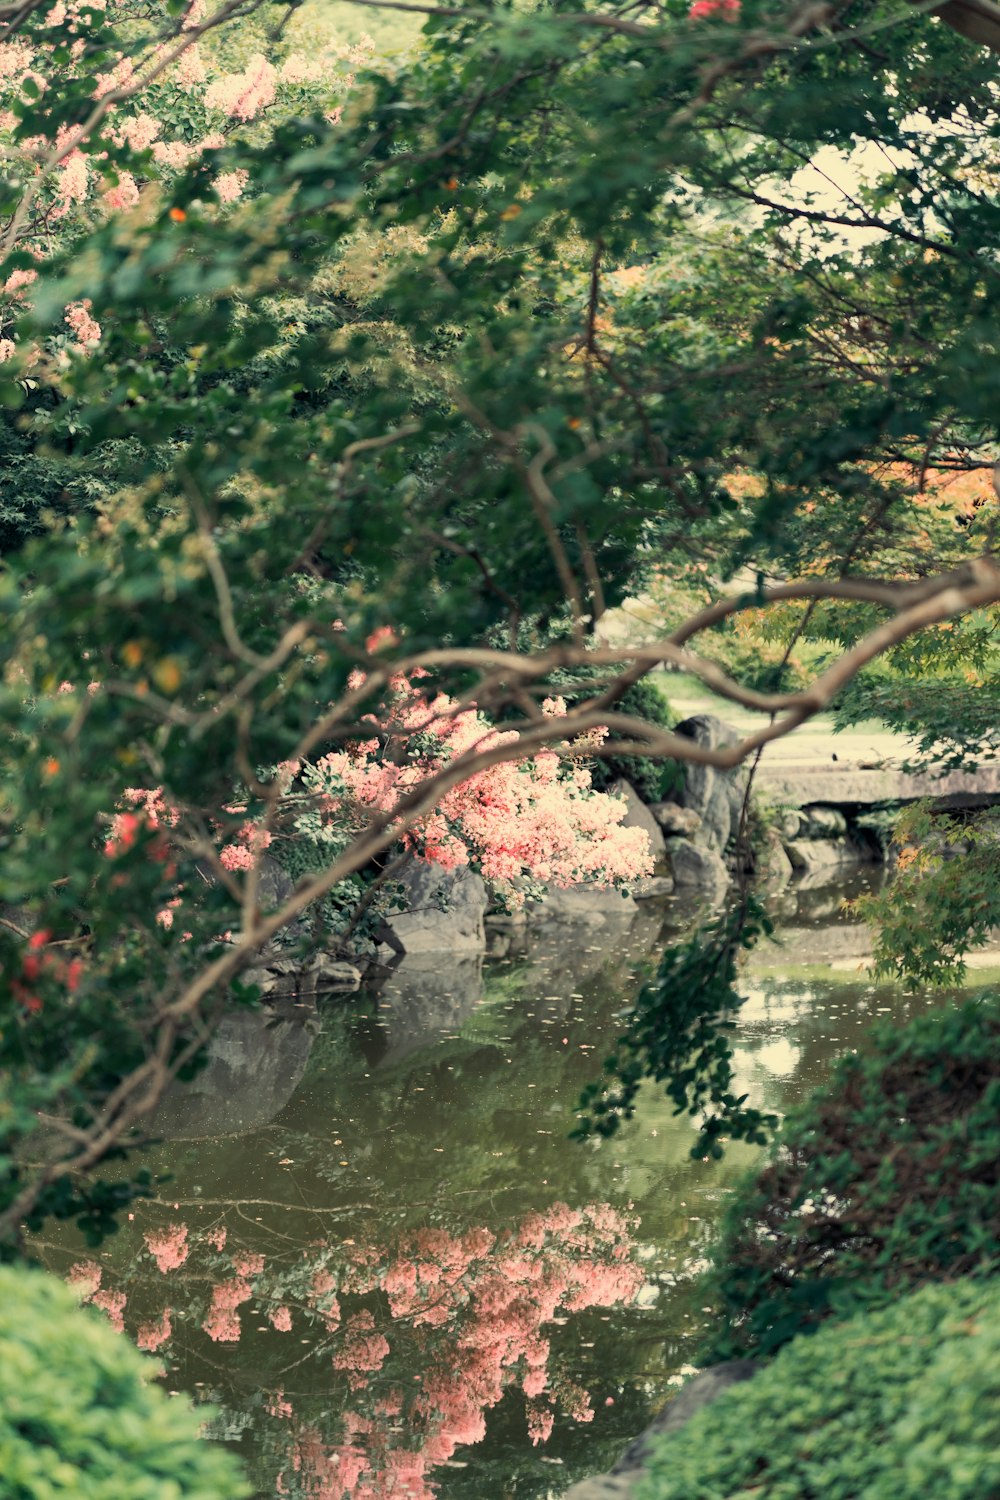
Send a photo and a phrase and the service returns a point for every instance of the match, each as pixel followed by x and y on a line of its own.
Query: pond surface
pixel 382 1261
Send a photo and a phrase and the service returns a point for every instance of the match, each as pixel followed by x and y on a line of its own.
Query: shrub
pixel 79 1417
pixel 652 779
pixel 899 1403
pixel 886 1178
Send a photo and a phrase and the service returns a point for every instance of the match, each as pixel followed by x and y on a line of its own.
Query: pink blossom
pixel 229 185
pixel 7 350
pixel 700 10
pixel 299 69
pixel 281 1317
pixel 216 1237
pixel 138 131
pixel 174 154
pixel 124 195
pixel 86 328
pixel 189 69
pixel 242 96
pixel 17 280
pixel 72 179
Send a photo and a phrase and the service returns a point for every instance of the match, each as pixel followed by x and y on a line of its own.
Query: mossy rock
pixel 900 1403
pixel 80 1418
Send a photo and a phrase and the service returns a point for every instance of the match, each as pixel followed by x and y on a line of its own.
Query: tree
pixel 538 311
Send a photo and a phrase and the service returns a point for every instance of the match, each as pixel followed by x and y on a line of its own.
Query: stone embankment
pixel 815 821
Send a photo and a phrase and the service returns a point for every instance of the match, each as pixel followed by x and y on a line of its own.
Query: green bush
pixel 902 1403
pixel 886 1178
pixel 652 779
pixel 79 1418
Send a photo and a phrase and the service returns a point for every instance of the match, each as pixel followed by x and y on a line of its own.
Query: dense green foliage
pixel 80 1415
pixel 898 1403
pixel 887 1178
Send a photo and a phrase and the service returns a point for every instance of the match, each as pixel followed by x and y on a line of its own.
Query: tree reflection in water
pixel 410 1344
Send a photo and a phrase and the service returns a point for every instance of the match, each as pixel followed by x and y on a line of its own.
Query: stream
pixel 378 1257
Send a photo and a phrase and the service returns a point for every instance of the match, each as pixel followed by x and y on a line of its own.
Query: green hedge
pixel 886 1178
pixel 902 1403
pixel 79 1418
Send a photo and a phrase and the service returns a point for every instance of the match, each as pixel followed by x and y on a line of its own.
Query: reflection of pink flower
pixel 85 1278
pixel 364 1350
pixel 112 1303
pixel 168 1247
pixel 223 1323
pixel 248 1264
pixel 151 1335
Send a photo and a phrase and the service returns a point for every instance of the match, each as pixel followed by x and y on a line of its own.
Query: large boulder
pixel 816 822
pixel 826 857
pixel 639 816
pixel 716 796
pixel 596 906
pixel 682 822
pixel 696 868
pixel 442 911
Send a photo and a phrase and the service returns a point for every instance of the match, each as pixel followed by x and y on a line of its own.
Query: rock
pixel 443 911
pixel 422 999
pixel 505 921
pixel 683 822
pixel 828 857
pixel 639 816
pixel 818 822
pixel 698 1393
pixel 332 974
pixel 653 887
pixel 255 1063
pixel 772 866
pixel 697 868
pixel 597 906
pixel 716 796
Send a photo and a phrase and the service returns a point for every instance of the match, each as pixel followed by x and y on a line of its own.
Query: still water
pixel 380 1259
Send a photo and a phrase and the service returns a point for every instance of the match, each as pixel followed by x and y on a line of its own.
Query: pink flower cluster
pixel 701 10
pixel 538 817
pixel 242 96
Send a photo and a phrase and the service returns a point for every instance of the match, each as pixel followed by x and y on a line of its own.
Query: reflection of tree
pixel 473 1313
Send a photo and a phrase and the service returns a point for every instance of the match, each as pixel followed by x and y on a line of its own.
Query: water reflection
pixel 390 1269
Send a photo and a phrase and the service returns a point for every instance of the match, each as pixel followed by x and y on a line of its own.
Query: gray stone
pixel 443 911
pixel 716 796
pixel 597 906
pixel 698 1393
pixel 697 868
pixel 845 783
pixel 639 816
pixel 828 857
pixel 653 888
pixel 818 822
pixel 683 822
pixel 772 866
pixel 332 974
